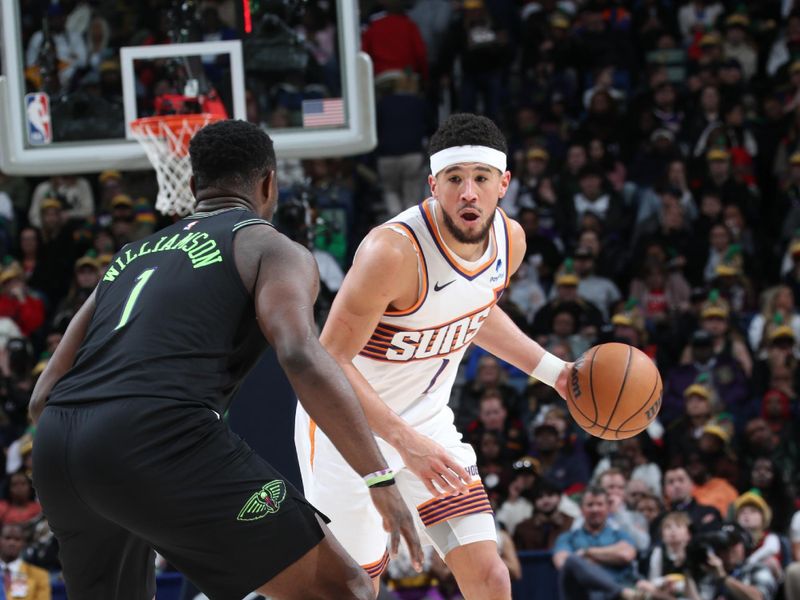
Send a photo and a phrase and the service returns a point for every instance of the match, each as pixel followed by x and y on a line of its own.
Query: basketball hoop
pixel 165 139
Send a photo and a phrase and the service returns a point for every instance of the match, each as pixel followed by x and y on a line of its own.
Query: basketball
pixel 614 391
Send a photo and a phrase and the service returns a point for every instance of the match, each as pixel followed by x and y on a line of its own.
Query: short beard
pixel 466 238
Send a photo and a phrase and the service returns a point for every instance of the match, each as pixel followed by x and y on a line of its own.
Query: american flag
pixel 329 111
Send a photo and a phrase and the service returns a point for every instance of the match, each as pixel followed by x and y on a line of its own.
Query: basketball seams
pixel 574 402
pixel 621 390
pixel 591 385
pixel 642 407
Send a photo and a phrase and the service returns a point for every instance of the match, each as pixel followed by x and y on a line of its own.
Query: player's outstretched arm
pixel 63 358
pixel 384 274
pixel 285 283
pixel 500 336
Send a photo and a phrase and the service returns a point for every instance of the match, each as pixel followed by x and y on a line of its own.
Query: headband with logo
pixel 468 154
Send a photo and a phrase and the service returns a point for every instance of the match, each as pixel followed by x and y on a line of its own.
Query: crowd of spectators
pixel 655 153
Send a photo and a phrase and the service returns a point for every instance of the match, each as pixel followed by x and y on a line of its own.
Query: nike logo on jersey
pixel 439 288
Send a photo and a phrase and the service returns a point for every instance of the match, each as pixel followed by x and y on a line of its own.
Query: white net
pixel 166 141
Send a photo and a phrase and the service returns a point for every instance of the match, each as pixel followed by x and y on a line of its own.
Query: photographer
pixel 717 569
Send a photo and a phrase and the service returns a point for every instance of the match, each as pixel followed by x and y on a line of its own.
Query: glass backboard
pixel 75 74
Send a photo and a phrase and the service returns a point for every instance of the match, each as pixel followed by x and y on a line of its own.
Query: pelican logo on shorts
pixel 265 501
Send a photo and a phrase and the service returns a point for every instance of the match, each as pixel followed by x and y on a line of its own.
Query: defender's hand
pixel 440 472
pixel 398 522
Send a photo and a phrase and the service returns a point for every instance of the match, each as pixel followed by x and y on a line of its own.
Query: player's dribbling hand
pixel 440 472
pixel 563 380
pixel 397 522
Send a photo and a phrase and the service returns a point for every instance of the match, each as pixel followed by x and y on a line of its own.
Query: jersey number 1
pixel 141 280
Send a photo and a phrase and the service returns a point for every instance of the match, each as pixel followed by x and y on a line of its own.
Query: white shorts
pixel 339 492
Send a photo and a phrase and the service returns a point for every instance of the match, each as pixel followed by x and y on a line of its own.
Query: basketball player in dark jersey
pixel 130 453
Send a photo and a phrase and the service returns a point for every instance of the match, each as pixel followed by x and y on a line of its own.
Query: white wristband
pixel 548 369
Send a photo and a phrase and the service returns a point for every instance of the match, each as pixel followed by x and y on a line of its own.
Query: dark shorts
pixel 122 478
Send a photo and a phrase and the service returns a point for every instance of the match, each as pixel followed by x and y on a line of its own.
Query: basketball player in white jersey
pixel 422 287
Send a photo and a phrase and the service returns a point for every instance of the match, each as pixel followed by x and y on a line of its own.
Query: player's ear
pixel 432 184
pixel 270 185
pixel 505 179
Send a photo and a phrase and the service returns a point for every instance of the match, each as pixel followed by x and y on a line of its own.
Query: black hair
pixel 466 129
pixel 7 484
pixel 230 154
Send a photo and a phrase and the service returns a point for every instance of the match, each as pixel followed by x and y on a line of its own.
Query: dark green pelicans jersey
pixel 172 319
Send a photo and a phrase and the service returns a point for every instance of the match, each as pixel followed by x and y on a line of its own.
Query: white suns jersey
pixel 412 357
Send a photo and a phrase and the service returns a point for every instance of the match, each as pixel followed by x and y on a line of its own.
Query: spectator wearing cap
pixel 87 276
pixel 754 515
pixel 523 191
pixel 777 308
pixel 18 301
pixel 566 292
pixel 75 193
pixel 718 370
pixel 776 367
pixel 715 449
pixel 686 427
pixel 720 178
pixel 728 575
pixel 547 522
pixel 726 342
pixel 595 560
pixel 568 469
pixel 598 290
pixel 58 253
pixel 481 42
pixel 678 494
pixel 738 45
pixel 111 185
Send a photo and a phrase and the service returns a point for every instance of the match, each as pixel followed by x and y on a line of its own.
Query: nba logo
pixel 37 109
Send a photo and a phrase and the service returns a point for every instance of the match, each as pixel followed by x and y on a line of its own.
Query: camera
pixel 715 541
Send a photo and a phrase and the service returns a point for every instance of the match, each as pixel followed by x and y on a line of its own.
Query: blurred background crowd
pixel 655 152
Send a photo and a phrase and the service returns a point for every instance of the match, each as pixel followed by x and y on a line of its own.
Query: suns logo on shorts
pixel 264 502
pixel 393 344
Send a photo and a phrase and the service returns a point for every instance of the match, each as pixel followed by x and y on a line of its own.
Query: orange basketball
pixel 614 391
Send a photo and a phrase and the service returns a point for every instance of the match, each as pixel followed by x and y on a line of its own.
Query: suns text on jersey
pixel 436 341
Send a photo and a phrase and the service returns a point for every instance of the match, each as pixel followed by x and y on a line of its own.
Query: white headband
pixel 468 154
